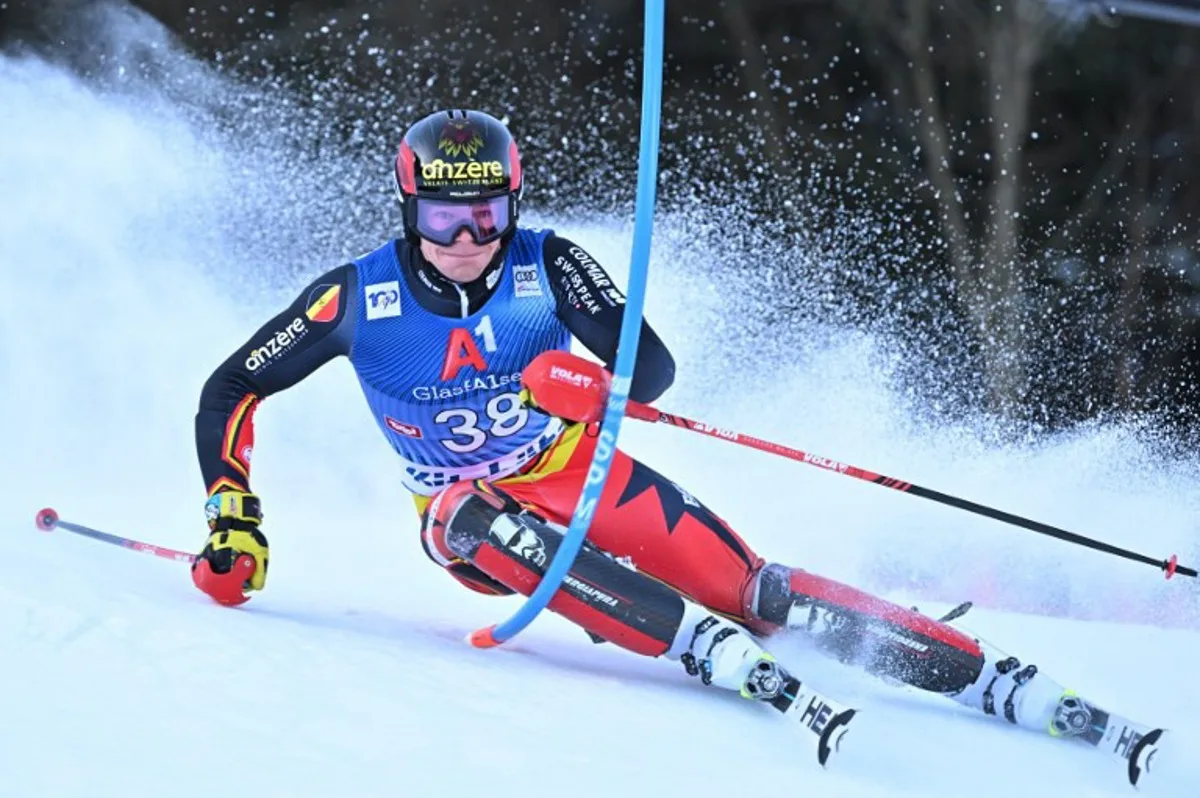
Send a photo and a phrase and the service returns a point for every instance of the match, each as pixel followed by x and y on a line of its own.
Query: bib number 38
pixel 504 415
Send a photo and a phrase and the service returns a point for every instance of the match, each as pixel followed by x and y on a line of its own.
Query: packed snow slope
pixel 350 677
pixel 138 247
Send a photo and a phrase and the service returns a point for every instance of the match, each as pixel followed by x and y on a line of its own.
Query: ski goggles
pixel 440 221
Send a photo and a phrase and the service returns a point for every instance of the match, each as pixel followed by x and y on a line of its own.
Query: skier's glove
pixel 561 384
pixel 234 559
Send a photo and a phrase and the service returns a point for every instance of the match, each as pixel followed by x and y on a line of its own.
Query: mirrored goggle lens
pixel 441 221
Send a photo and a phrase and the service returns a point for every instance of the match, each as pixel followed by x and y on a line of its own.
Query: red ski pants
pixel 663 530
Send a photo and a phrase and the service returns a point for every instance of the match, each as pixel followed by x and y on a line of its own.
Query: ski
pixel 824 721
pixel 1162 764
pixel 1142 760
pixel 1136 747
pixel 956 613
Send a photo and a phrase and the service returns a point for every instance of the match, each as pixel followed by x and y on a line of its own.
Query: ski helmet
pixel 458 170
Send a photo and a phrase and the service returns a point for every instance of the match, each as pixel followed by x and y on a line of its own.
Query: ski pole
pixel 47 520
pixel 644 412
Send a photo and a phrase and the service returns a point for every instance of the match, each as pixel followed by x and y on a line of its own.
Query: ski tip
pixel 483 638
pixel 46 519
pixel 1141 758
pixel 831 737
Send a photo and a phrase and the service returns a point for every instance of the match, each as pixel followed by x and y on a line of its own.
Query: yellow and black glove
pixel 526 397
pixel 234 559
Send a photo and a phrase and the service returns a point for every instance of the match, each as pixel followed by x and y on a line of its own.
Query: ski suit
pixel 440 365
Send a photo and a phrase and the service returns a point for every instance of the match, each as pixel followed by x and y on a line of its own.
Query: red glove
pixel 567 386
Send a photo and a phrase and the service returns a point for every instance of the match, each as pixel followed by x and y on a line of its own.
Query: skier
pixel 459 334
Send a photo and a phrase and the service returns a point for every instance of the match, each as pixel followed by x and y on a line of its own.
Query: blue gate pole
pixel 631 326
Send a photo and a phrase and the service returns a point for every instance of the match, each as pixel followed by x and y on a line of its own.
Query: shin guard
pixel 856 627
pixel 476 524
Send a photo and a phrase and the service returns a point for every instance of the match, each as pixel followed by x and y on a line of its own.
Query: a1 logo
pixel 462 351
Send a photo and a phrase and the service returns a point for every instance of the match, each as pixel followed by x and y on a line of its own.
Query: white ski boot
pixel 721 653
pixel 1019 694
pixel 1029 699
pixel 724 654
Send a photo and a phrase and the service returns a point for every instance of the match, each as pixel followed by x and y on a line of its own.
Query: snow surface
pixel 126 284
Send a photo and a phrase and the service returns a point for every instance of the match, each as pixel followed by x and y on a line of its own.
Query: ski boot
pixel 723 654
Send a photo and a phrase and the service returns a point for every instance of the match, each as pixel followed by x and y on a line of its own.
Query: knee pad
pixel 446 538
pixel 438 530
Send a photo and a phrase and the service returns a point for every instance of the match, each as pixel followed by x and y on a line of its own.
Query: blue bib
pixel 444 390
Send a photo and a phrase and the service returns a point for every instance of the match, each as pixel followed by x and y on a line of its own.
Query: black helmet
pixel 458 170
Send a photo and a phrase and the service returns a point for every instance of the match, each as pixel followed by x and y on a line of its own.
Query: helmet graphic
pixel 456 171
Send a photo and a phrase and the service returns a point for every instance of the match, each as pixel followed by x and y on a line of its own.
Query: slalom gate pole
pixel 631 325
pixel 643 412
pixel 47 520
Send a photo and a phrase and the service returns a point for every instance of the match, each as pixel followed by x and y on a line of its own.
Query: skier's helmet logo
pixel 460 137
pixel 460 157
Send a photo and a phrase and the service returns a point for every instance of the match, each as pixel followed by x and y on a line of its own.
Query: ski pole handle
pixel 47 520
pixel 643 412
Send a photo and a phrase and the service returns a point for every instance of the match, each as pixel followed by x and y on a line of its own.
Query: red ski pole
pixel 644 412
pixel 47 520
